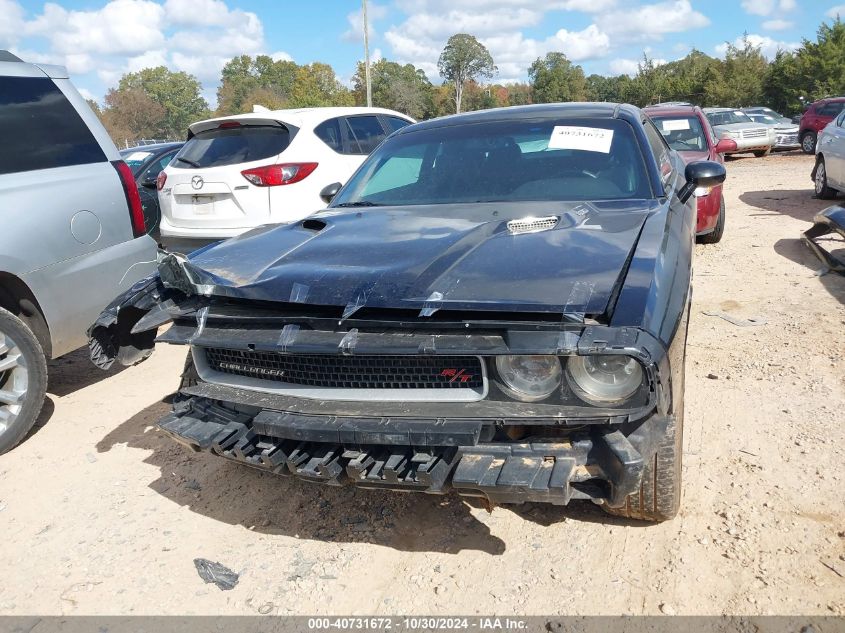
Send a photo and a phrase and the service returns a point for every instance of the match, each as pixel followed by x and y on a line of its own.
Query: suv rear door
pixel 58 189
pixel 205 187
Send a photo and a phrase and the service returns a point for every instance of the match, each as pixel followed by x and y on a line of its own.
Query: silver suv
pixel 72 232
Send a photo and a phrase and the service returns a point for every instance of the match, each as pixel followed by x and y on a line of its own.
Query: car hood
pixel 691 156
pixel 740 126
pixel 456 257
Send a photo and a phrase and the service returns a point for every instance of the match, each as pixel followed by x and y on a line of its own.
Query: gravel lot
pixel 102 514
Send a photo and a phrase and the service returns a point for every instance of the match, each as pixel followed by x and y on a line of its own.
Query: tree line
pixel 159 103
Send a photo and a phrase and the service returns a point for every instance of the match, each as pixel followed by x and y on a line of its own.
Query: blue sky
pixel 99 40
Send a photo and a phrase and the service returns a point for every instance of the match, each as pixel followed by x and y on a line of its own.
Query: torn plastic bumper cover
pixel 427 455
pixel 831 220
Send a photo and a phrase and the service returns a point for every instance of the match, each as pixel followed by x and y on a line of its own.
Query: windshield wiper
pixel 359 203
pixel 189 162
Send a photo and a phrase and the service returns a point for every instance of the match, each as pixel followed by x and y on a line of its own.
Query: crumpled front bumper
pixel 432 456
pixel 829 221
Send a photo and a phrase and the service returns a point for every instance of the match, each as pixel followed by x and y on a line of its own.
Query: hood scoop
pixel 532 225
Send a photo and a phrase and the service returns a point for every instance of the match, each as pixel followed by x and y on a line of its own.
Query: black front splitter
pixel 424 455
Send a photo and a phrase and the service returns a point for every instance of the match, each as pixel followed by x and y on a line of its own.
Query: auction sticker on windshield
pixel 589 139
pixel 670 125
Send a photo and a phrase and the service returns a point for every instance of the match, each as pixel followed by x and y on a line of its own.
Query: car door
pixel 58 189
pixel 147 189
pixel 832 146
pixel 363 133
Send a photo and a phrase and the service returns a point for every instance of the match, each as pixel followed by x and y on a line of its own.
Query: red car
pixel 687 130
pixel 815 118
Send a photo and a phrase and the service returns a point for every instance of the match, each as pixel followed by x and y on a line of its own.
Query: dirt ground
pixel 102 514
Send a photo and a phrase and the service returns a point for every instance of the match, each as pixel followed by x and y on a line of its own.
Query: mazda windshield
pixel 530 160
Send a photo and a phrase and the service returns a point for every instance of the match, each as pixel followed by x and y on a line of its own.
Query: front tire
pixel 659 496
pixel 763 152
pixel 823 192
pixel 23 380
pixel 715 236
pixel 808 142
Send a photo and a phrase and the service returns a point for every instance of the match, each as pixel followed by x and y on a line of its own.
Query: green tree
pixel 651 85
pixel 739 80
pixel 519 94
pixel 464 59
pixel 130 115
pixel 316 85
pixel 782 85
pixel 686 78
pixel 554 78
pixel 819 67
pixel 403 88
pixel 177 92
pixel 611 89
pixel 245 80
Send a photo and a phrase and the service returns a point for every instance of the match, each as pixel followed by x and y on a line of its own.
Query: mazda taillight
pixel 274 175
pixel 133 200
pixel 160 180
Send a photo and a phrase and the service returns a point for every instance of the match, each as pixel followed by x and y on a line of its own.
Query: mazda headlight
pixel 604 379
pixel 528 378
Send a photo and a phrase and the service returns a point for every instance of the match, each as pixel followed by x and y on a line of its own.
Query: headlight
pixel 733 135
pixel 604 379
pixel 529 378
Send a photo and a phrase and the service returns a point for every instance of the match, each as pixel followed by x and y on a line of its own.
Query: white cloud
pixel 777 25
pixel 631 67
pixel 149 59
pixel 197 12
pixel 767 7
pixel 375 12
pixel 768 46
pixel 837 11
pixel 11 24
pixel 652 21
pixel 121 27
pixel 281 56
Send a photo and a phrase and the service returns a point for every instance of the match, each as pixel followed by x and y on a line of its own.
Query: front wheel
pixel 23 380
pixel 715 235
pixel 808 142
pixel 823 192
pixel 659 496
pixel 762 152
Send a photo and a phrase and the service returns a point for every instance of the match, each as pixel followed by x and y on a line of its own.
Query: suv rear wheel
pixel 23 380
pixel 808 142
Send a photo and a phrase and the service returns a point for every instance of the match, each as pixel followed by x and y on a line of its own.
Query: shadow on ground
pixel 238 495
pixel 66 375
pixel 796 203
pixel 797 251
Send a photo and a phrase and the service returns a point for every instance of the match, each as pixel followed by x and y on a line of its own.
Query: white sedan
pixel 829 172
pixel 266 167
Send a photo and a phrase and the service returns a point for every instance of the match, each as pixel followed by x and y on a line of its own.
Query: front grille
pixel 787 139
pixel 351 372
pixel 754 133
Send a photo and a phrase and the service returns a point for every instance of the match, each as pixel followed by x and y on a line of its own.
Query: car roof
pixel 580 110
pixel 299 117
pixel 675 110
pixel 154 147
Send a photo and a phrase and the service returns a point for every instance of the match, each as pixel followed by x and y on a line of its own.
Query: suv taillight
pixel 275 175
pixel 133 200
pixel 160 180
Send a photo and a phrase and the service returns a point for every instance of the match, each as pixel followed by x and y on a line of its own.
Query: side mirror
pixel 725 145
pixel 329 192
pixel 701 173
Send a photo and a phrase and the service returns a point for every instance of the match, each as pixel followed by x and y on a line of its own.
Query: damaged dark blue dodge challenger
pixel 496 303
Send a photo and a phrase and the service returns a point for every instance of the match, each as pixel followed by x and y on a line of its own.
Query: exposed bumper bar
pixel 430 456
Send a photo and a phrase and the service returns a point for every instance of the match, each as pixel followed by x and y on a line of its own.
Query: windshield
pixel 728 117
pixel 684 134
pixel 762 118
pixel 232 144
pixel 135 159
pixel 519 160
